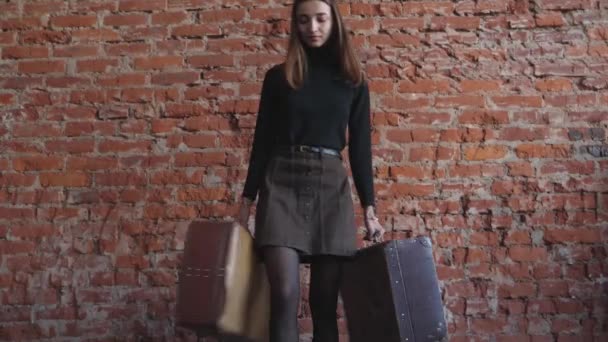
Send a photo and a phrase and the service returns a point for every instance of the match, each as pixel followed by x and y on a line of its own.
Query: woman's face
pixel 314 22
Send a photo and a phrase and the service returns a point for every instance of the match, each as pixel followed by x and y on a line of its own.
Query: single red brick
pixel 542 151
pixel 128 49
pixel 223 15
pixel 485 152
pixel 171 78
pixel 73 21
pixel 91 163
pixel 76 51
pixel 71 146
pixel 484 117
pixel 7 100
pixel 20 52
pixel 15 247
pixel 120 179
pixel 158 62
pixel 65 179
pixel 142 5
pixel 125 20
pixel 206 61
pixel 518 101
pixel 46 7
pixel 519 253
pixel 181 110
pixel 457 23
pixel 95 35
pixel 41 67
pixel 37 163
pixel 556 84
pixel 97 65
pixel 424 86
pixel 196 30
pixel 27 23
pixel 122 80
pixel 169 18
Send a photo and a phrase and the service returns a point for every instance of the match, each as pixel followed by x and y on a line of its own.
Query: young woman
pixel 305 210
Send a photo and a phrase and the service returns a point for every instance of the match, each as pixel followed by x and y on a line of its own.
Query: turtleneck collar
pixel 323 55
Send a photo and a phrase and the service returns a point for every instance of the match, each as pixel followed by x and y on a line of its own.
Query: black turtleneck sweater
pixel 316 114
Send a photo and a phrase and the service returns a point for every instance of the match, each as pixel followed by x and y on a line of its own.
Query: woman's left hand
pixel 375 231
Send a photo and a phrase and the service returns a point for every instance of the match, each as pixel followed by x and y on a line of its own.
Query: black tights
pixel 282 266
pixel 325 275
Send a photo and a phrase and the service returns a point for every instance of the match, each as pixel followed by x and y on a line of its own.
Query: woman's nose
pixel 313 26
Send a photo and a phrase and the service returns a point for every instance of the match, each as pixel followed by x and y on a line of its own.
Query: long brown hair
pixel 296 66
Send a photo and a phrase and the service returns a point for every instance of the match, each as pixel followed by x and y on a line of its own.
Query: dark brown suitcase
pixel 222 289
pixel 390 293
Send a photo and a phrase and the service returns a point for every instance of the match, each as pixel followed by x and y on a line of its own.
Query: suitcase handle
pixel 425 241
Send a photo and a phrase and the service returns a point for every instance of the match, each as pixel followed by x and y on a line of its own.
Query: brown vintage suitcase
pixel 390 293
pixel 222 290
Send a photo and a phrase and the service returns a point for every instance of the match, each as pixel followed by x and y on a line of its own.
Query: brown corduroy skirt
pixel 305 203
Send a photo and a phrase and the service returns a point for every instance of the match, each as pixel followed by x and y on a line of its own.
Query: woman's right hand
pixel 244 212
pixel 375 231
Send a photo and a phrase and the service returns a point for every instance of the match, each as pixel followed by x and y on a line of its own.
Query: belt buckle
pixel 301 148
pixel 315 150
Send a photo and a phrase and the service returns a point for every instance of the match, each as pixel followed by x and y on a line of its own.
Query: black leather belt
pixel 310 149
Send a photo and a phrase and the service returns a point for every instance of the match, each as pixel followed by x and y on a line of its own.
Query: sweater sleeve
pixel 263 138
pixel 359 145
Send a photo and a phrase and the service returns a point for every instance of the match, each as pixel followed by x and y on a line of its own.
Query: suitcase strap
pixel 402 307
pixel 188 271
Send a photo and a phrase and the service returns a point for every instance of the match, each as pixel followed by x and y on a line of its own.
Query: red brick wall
pixel 123 120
